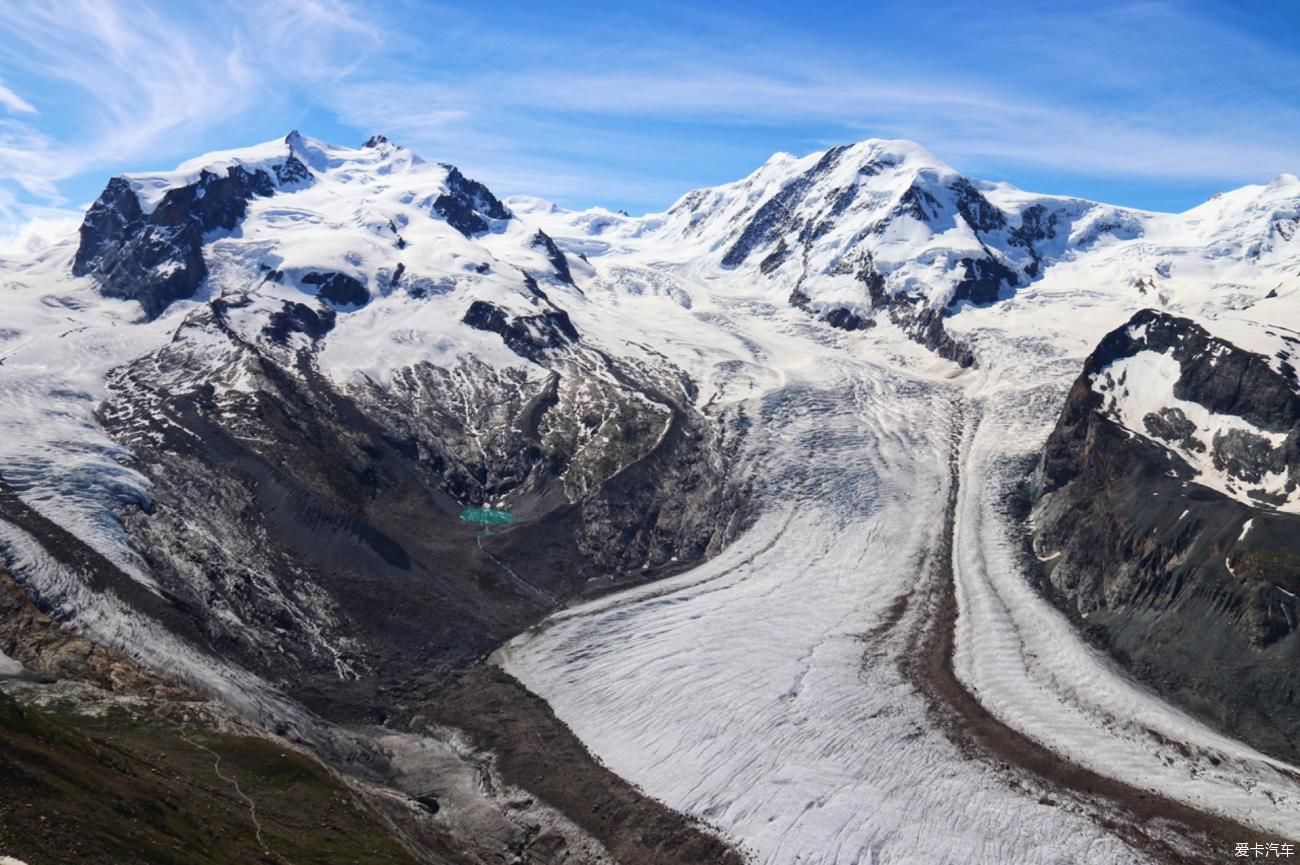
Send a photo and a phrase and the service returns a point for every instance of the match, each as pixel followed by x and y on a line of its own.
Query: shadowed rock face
pixel 776 216
pixel 298 318
pixel 1193 590
pixel 838 317
pixel 157 258
pixel 338 288
pixel 1037 224
pixel 541 240
pixel 526 335
pixel 983 280
pixel 310 534
pixel 468 205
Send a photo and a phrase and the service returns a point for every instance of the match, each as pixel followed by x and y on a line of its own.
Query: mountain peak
pixel 1285 180
pixel 895 151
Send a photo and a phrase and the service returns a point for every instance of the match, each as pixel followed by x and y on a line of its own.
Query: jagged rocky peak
pixel 143 237
pixel 883 228
pixel 554 255
pixel 1166 513
pixel 360 221
pixel 469 206
pixel 1227 411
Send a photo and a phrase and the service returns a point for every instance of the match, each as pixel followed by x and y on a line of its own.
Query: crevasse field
pixel 763 692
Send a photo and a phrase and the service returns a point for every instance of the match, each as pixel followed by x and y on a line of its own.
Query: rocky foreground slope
pixel 251 411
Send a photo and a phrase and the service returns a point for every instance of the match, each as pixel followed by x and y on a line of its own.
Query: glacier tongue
pixel 762 691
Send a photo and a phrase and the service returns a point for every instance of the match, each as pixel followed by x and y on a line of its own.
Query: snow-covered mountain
pixel 815 423
pixel 1165 509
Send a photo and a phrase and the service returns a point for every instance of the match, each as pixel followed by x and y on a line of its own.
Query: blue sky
pixel 1152 104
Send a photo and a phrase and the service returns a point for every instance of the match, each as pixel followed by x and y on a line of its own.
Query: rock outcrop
pixel 1156 537
pixel 157 257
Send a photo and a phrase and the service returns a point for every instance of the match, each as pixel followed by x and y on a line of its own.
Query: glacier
pixel 890 343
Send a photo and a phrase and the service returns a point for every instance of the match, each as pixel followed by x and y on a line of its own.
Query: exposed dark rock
pixel 982 281
pixel 919 321
pixel 1172 425
pixel 1194 591
pixel 536 290
pixel 925 325
pixel 113 217
pixel 400 242
pixel 775 217
pixel 157 258
pixel 1246 455
pixel 846 320
pixel 541 240
pixel 526 335
pixel 338 288
pixel 841 200
pixel 459 215
pixel 298 318
pixel 839 317
pixel 979 214
pixel 775 258
pixel 292 172
pixel 874 167
pixel 468 205
pixel 916 202
pixel 1037 224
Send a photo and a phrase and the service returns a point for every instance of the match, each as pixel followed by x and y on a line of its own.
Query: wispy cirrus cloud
pixel 633 105
pixel 11 101
pixel 123 76
pixel 134 78
pixel 1122 91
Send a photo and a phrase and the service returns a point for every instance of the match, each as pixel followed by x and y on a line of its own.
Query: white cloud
pixel 127 76
pixel 13 102
pixel 302 41
pixel 40 229
pixel 581 106
pixel 134 78
pixel 1115 109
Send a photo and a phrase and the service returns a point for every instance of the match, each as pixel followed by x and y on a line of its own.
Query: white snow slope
pixel 751 691
pixel 760 691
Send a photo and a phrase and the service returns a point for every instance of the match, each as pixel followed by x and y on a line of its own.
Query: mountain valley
pixel 854 511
